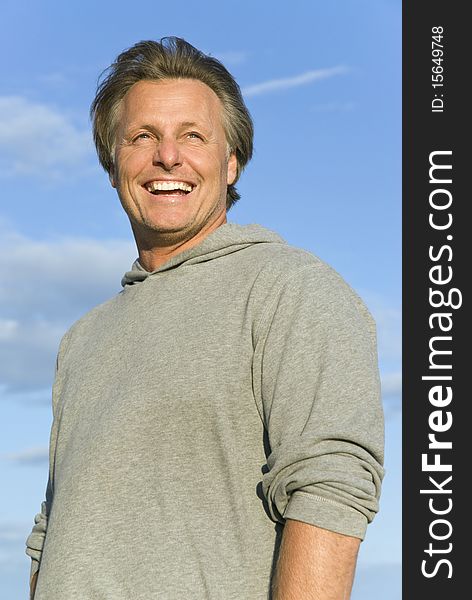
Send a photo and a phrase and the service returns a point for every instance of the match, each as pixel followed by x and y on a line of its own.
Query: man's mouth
pixel 169 188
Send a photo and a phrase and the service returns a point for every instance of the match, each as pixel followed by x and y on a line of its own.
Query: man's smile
pixel 169 187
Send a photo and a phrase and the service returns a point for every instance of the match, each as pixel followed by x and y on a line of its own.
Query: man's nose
pixel 167 154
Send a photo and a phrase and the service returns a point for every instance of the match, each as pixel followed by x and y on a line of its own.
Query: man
pixel 217 428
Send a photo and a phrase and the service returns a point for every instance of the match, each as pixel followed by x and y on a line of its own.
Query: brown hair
pixel 170 58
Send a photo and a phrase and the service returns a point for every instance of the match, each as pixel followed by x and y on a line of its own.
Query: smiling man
pixel 217 429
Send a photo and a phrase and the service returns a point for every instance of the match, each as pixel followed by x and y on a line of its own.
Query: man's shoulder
pixel 291 271
pixel 90 320
pixel 285 257
pixel 283 261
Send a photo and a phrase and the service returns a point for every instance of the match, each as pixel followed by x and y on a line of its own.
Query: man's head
pixel 170 59
pixel 171 165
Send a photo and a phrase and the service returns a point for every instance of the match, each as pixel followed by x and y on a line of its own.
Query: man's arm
pixel 33 580
pixel 314 564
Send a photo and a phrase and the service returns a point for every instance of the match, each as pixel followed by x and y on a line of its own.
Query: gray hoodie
pixel 232 388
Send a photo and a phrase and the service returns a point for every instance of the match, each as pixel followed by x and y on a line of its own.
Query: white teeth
pixel 168 185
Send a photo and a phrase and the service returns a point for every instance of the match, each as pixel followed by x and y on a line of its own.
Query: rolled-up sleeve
pixel 318 384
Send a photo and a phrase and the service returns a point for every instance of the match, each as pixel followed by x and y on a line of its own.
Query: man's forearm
pixel 33 580
pixel 314 564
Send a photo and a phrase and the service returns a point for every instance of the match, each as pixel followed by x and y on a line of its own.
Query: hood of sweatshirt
pixel 226 239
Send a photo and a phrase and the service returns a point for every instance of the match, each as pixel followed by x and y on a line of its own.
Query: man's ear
pixel 232 169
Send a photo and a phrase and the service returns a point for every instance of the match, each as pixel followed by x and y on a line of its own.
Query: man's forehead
pixel 189 101
pixel 172 89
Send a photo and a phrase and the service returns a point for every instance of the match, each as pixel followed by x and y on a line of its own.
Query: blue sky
pixel 323 83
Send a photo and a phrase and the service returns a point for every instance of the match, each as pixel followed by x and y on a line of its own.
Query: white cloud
pixel 39 140
pixel 31 456
pixel 389 333
pixel 8 328
pixel 35 397
pixel 391 384
pixel 392 393
pixel 44 287
pixel 290 82
pixel 10 534
pixel 388 319
pixel 12 546
pixel 42 279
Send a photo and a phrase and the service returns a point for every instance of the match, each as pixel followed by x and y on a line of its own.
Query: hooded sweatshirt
pixel 232 388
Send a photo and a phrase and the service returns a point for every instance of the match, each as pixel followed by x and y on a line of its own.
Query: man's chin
pixel 157 232
pixel 152 233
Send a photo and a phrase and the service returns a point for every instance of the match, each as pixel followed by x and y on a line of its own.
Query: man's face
pixel 171 167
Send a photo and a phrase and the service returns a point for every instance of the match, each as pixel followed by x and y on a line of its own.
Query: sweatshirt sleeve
pixel 317 380
pixel 36 539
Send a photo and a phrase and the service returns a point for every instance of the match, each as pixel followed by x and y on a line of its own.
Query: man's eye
pixel 194 135
pixel 141 136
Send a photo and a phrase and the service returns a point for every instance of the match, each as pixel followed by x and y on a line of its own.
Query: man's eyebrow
pixel 137 126
pixel 183 125
pixel 192 124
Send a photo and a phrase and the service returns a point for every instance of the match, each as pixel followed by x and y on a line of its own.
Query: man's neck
pixel 153 254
